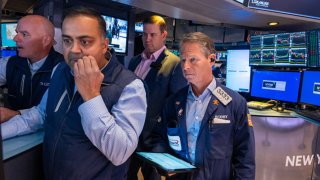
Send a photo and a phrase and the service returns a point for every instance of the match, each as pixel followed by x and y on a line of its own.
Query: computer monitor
pixel 238 70
pixel 138 27
pixel 7 53
pixel 8 31
pixel 276 85
pixel 221 55
pixel 284 49
pixel 310 91
pixel 117 32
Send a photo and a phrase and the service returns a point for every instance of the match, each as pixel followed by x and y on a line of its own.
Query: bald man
pixel 27 76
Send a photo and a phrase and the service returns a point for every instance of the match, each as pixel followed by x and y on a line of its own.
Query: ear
pixel 47 41
pixel 164 35
pixel 105 45
pixel 212 58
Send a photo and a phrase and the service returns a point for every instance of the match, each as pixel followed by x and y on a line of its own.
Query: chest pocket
pixel 218 140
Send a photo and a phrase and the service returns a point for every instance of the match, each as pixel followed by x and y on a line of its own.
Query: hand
pixel 6 114
pixel 88 77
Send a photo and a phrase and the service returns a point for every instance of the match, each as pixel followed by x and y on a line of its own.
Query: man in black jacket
pixel 161 71
pixel 27 76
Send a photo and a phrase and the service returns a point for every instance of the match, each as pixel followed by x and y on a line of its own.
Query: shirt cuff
pixel 92 109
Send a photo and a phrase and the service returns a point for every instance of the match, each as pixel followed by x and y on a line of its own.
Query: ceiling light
pixel 273 23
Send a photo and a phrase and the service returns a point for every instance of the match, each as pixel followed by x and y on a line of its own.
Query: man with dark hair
pixel 161 71
pixel 206 123
pixel 90 126
pixel 27 76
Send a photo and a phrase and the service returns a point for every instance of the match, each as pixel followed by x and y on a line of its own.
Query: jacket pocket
pixel 218 142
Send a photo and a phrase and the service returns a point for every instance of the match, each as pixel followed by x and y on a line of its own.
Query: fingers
pixel 86 65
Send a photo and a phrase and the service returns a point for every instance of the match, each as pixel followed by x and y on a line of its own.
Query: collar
pixel 37 65
pixel 154 56
pixel 210 88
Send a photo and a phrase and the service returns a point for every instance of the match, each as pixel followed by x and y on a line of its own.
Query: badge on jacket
pixel 223 97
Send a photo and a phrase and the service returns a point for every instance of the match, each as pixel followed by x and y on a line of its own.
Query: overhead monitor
pixel 221 55
pixel 276 85
pixel 117 33
pixel 285 49
pixel 310 91
pixel 8 31
pixel 138 27
pixel 304 8
pixel 238 70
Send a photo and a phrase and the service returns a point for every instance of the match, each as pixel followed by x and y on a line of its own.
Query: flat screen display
pixel 310 91
pixel 221 55
pixel 305 8
pixel 285 49
pixel 8 31
pixel 117 33
pixel 7 53
pixel 138 27
pixel 276 85
pixel 238 70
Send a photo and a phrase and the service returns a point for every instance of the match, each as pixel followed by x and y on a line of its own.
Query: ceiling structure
pixel 226 13
pixel 13 9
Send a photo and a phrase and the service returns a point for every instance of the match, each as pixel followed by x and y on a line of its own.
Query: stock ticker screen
pixel 285 49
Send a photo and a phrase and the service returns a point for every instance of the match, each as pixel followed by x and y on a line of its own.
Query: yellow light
pixel 273 23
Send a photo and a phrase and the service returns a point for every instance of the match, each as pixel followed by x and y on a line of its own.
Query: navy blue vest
pixel 26 91
pixel 68 153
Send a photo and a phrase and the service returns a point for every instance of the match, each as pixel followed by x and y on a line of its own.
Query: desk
pixel 287 146
pixel 270 113
pixel 22 157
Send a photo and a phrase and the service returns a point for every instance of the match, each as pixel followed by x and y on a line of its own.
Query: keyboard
pixel 312 114
pixel 259 105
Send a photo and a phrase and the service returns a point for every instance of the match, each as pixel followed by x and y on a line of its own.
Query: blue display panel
pixel 238 70
pixel 276 85
pixel 8 31
pixel 6 53
pixel 310 91
pixel 117 33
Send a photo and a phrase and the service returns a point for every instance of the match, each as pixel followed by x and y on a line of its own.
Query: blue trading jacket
pixel 223 150
pixel 24 90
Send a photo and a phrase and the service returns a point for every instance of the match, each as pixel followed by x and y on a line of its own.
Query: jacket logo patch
pixel 47 84
pixel 175 142
pixel 249 120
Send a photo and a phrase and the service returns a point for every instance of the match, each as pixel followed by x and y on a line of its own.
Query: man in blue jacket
pixel 93 111
pixel 27 76
pixel 206 123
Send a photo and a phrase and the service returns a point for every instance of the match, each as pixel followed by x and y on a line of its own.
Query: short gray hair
pixel 205 41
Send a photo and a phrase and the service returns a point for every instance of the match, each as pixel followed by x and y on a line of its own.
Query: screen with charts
pixel 117 33
pixel 276 85
pixel 310 91
pixel 8 31
pixel 285 49
pixel 238 70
